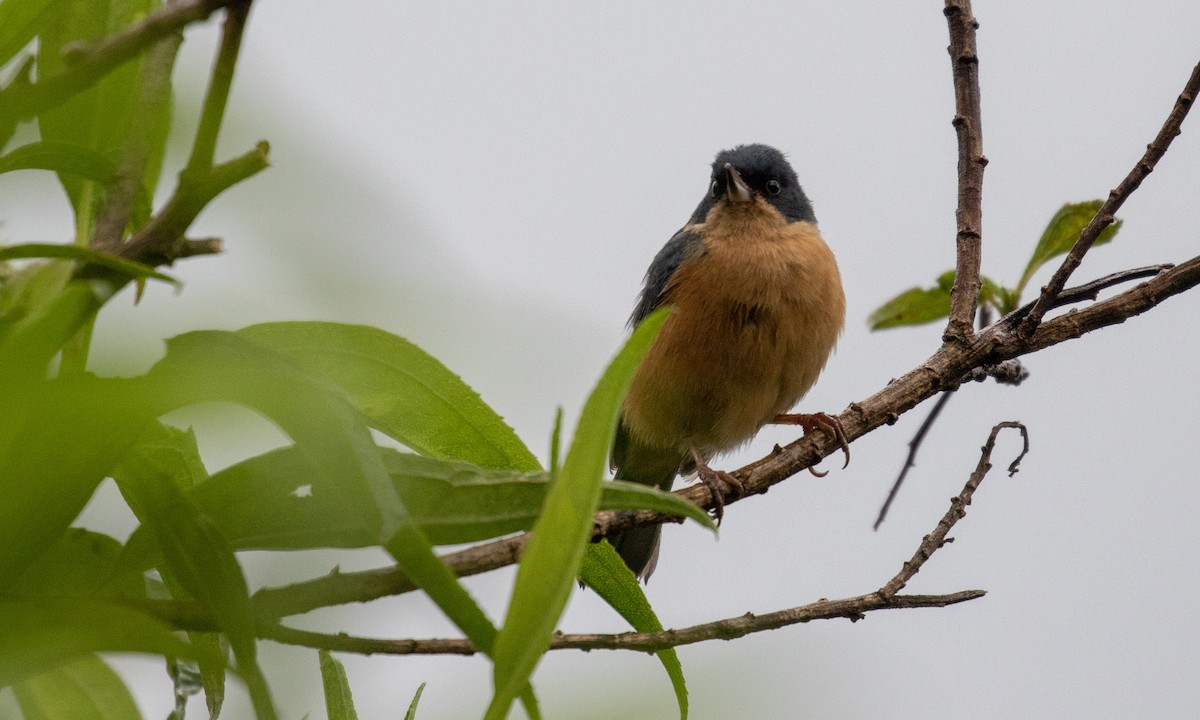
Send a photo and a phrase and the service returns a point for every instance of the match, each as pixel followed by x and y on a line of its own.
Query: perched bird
pixel 757 306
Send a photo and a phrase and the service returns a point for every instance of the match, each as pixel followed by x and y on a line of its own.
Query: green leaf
pixel 99 117
pixel 550 563
pixel 604 571
pixel 39 635
pixel 151 478
pixel 412 707
pixel 915 306
pixel 339 704
pixel 216 365
pixel 58 439
pixel 265 502
pixel 84 689
pixel 59 157
pixel 28 346
pixel 20 22
pixel 1061 233
pixel 404 392
pixel 86 256
pixel 82 564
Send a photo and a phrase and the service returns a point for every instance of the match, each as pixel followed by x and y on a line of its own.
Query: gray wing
pixel 682 245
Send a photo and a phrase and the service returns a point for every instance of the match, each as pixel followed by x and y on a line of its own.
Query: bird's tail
pixel 635 462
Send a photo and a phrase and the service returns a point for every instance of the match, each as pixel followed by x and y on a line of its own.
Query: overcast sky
pixel 491 181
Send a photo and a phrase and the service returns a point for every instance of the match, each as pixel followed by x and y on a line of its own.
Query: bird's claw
pixel 811 422
pixel 718 483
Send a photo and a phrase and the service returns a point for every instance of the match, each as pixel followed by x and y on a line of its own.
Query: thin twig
pixel 1116 198
pixel 968 126
pixel 89 63
pixel 910 460
pixel 1091 291
pixel 958 509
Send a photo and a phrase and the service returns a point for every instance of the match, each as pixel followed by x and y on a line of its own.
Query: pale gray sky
pixel 491 181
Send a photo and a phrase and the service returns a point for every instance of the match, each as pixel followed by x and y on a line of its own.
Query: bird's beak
pixel 736 188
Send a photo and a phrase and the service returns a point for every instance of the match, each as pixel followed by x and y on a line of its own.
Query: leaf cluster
pixel 176 588
pixel 918 306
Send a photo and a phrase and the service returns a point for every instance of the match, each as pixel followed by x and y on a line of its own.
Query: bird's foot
pixel 811 422
pixel 718 483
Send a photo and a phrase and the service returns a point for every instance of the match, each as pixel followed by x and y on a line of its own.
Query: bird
pixel 757 307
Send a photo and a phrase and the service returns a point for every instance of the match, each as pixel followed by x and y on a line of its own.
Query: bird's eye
pixel 774 187
pixel 715 189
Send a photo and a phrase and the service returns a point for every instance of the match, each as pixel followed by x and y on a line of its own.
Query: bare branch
pixel 943 371
pixel 728 629
pixel 958 509
pixel 1116 198
pixel 968 126
pixel 855 608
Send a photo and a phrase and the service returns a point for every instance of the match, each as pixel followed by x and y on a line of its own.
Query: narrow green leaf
pixel 84 689
pixel 552 558
pixel 412 707
pixel 1061 233
pixel 339 704
pixel 38 635
pixel 604 571
pixel 86 256
pixel 151 478
pixel 59 157
pixel 404 392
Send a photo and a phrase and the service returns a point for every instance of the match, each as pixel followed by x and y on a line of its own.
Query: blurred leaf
pixel 82 564
pixel 265 502
pixel 604 571
pixel 175 455
pixel 339 704
pixel 31 289
pixel 412 707
pixel 404 392
pixel 551 560
pixel 38 635
pixel 84 255
pixel 28 346
pixel 20 22
pixel 212 675
pixel 60 157
pixel 84 689
pixel 58 439
pixel 224 366
pixel 98 117
pixel 1061 233
pixel 151 477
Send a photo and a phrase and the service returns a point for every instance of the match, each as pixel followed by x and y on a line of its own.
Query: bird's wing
pixel 684 244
